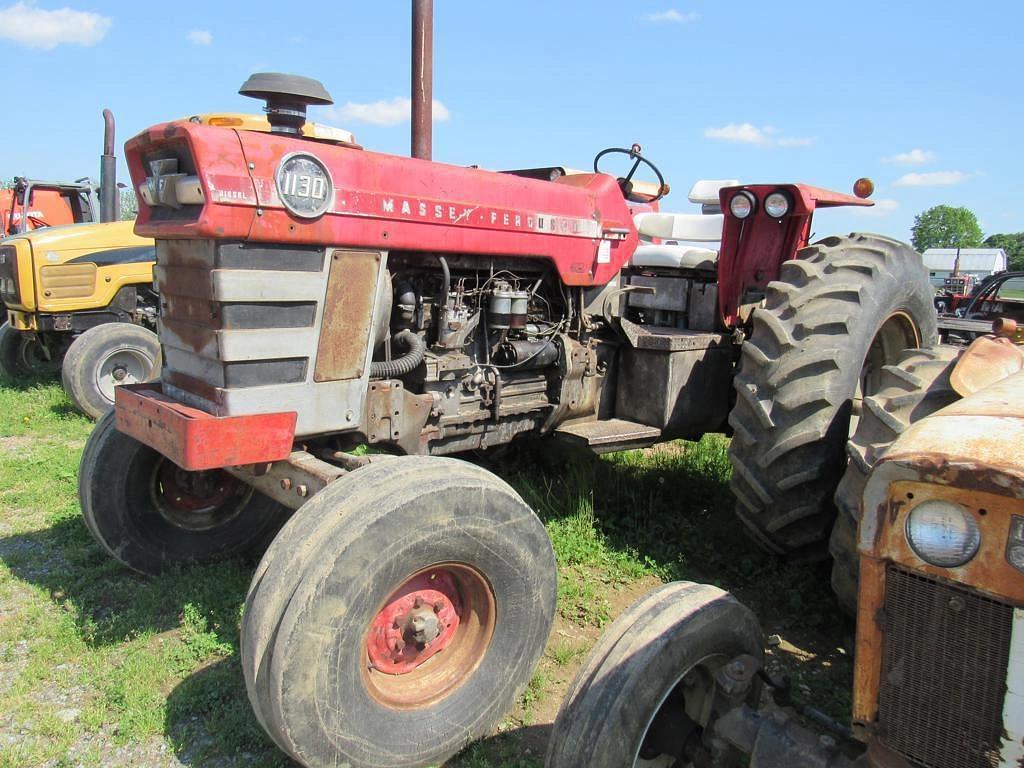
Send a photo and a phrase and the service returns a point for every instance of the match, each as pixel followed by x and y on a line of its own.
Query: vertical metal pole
pixel 422 77
pixel 108 172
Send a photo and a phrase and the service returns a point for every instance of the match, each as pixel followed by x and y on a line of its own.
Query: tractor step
pixel 610 435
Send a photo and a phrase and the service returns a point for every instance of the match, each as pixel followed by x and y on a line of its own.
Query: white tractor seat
pixel 675 257
pixel 696 227
pixel 705 191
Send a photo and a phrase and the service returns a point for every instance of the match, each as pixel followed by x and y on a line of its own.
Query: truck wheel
pixel 839 312
pixel 646 690
pixel 104 357
pixel 151 515
pixel 398 615
pixel 23 355
pixel 915 387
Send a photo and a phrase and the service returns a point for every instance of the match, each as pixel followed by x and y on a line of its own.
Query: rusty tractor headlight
pixel 943 533
pixel 777 204
pixel 742 204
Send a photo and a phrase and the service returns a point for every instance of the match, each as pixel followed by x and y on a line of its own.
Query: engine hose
pixel 393 369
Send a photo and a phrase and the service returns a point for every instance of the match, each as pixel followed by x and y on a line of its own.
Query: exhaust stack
pixel 422 78
pixel 109 203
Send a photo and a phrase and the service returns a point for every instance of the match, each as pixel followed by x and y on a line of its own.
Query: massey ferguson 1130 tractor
pixel 937 485
pixel 316 297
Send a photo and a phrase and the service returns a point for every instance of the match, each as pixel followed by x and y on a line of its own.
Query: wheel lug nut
pixel 438 606
pixel 286 483
pixel 418 603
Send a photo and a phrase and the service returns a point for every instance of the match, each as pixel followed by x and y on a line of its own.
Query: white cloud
pixel 748 133
pixel 881 208
pixel 935 179
pixel 671 16
pixel 913 157
pixel 34 27
pixel 200 37
pixel 394 112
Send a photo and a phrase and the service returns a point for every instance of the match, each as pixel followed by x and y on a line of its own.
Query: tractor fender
pixel 988 360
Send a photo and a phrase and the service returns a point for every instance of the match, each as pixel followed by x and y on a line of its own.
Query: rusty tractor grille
pixel 944 672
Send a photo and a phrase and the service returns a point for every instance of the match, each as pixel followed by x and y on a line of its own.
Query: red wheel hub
pixel 195 491
pixel 418 621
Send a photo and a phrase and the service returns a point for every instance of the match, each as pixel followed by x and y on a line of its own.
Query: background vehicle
pixel 79 297
pixel 998 296
pixel 31 204
pixel 941 551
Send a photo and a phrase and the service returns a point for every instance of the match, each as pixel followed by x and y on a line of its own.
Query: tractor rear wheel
pixel 151 515
pixel 397 615
pixel 104 357
pixel 647 688
pixel 915 387
pixel 839 312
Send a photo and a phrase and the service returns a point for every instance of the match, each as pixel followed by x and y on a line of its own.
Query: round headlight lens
pixel 776 205
pixel 943 533
pixel 741 205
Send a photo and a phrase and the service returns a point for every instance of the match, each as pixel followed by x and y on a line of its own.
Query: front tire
pixel 839 312
pixel 152 515
pixel 645 691
pixel 330 665
pixel 104 357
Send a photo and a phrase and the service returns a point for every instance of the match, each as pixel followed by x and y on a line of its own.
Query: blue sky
pixel 923 97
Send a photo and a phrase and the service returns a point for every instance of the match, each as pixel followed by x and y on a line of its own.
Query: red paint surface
pixel 388 649
pixel 193 439
pixel 450 209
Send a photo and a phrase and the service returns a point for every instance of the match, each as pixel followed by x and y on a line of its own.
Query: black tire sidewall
pixel 318 687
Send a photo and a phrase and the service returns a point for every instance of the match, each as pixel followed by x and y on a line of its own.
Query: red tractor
pixel 316 297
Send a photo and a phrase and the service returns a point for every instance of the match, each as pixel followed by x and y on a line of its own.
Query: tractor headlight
pixel 742 205
pixel 943 533
pixel 776 204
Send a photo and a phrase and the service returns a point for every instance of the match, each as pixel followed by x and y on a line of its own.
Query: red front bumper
pixel 194 439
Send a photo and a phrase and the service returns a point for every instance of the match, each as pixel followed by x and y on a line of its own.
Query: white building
pixel 980 262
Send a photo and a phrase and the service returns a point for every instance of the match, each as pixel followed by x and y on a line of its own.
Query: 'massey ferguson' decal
pixel 304 186
pixel 354 202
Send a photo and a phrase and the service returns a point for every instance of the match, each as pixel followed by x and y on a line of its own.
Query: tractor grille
pixel 944 669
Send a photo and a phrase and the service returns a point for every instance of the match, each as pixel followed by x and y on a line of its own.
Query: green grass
pixel 100 666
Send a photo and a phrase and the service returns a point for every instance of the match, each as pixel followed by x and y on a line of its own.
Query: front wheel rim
pixel 690 699
pixel 426 667
pixel 197 501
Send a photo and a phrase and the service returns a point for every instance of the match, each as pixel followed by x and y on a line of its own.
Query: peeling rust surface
pixel 348 315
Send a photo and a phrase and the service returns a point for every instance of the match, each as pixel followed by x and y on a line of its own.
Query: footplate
pixel 194 439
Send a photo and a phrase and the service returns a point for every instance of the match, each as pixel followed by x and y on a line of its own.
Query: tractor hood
pixel 115 234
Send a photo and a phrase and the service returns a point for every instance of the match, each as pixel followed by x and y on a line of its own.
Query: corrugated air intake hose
pixel 393 369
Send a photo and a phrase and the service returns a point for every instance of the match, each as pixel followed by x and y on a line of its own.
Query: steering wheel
pixel 626 182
